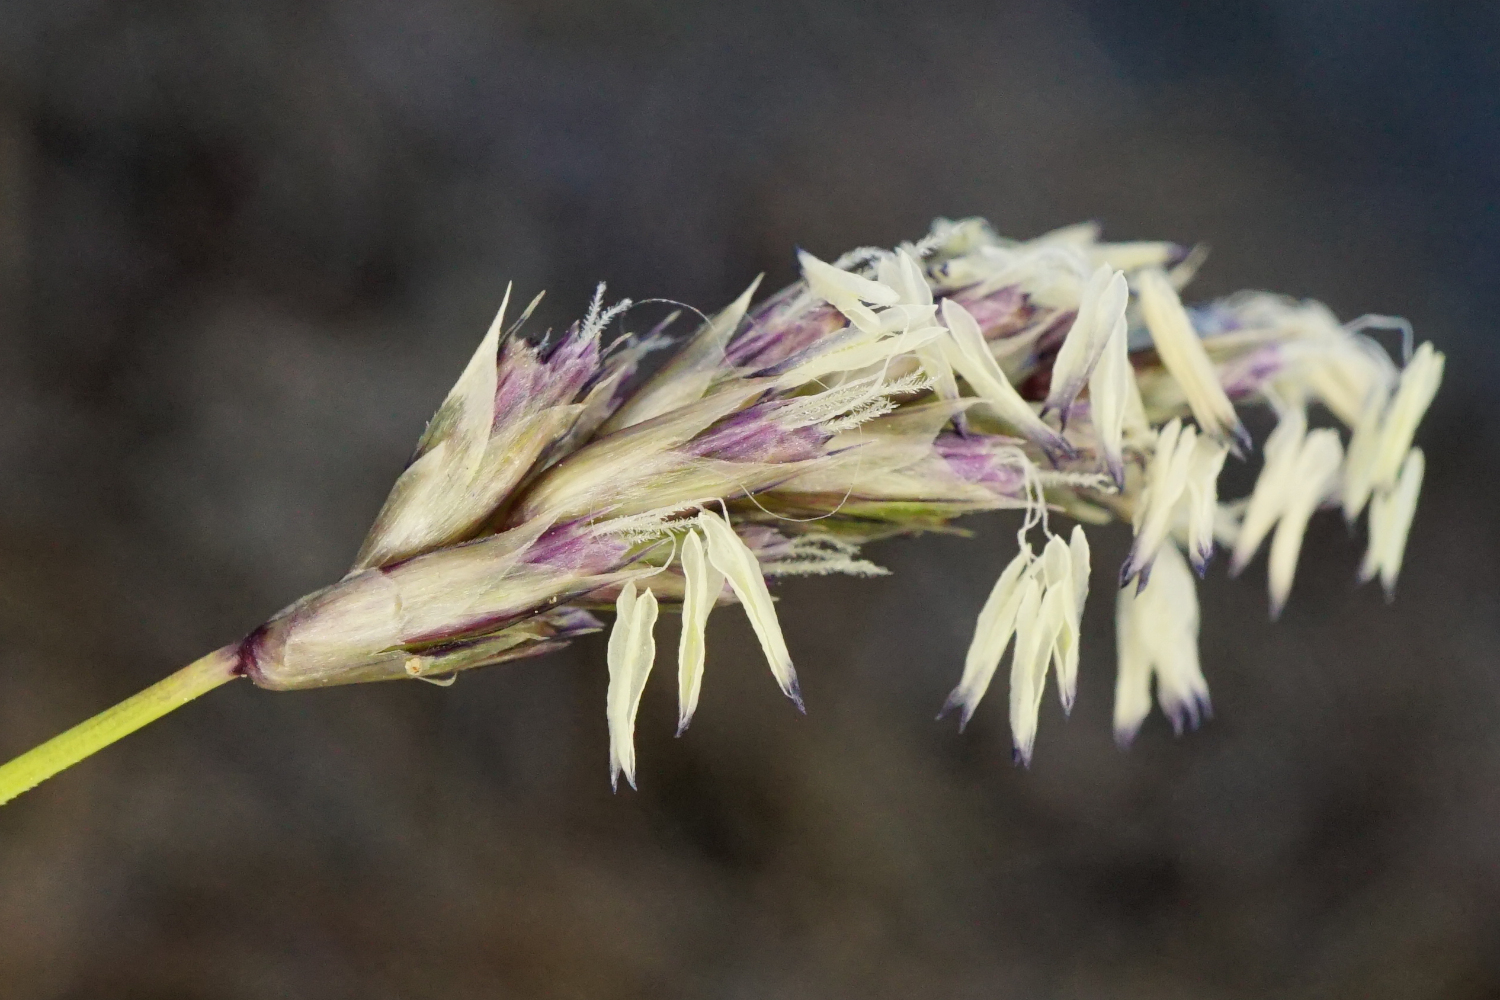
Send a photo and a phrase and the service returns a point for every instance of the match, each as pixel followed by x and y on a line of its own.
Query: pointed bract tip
pixel 794 692
pixel 1125 735
pixel 1057 449
pixel 1062 417
pixel 1241 443
pixel 1194 714
pixel 1020 756
pixel 1117 473
pixel 1187 716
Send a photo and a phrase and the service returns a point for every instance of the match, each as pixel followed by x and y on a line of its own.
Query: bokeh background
pixel 246 247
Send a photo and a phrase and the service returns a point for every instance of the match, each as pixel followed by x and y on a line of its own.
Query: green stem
pixel 89 737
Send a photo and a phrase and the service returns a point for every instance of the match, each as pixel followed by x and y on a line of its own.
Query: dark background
pixel 246 247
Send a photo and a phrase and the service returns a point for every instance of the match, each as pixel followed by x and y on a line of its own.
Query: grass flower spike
pixel 883 393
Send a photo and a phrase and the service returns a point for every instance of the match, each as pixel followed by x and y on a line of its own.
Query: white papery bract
pixel 849 293
pixel 729 555
pixel 1156 635
pixel 1419 383
pixel 969 355
pixel 1312 480
pixel 1363 453
pixel 1272 487
pixel 1166 481
pixel 1062 564
pixel 632 651
pixel 860 353
pixel 1183 353
pixel 1114 396
pixel 1081 559
pixel 1202 500
pixel 1101 316
pixel 703 583
pixel 1036 626
pixel 712 554
pixel 1390 521
pixel 902 273
pixel 1382 437
pixel 992 633
pixel 1039 601
pixel 1301 471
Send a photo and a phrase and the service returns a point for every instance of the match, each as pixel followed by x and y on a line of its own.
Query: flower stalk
pixel 887 392
pixel 89 737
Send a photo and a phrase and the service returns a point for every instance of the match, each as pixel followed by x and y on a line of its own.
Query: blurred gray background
pixel 246 247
